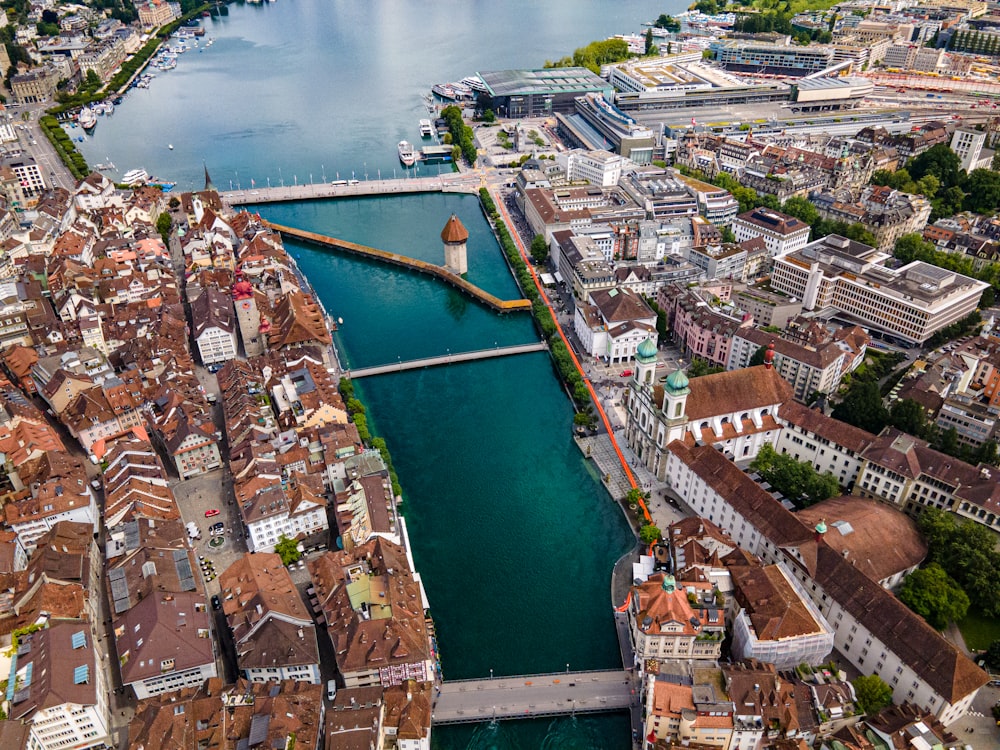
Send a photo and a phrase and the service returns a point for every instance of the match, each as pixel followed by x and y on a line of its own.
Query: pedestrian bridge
pixel 446 359
pixel 500 305
pixel 530 696
pixel 447 183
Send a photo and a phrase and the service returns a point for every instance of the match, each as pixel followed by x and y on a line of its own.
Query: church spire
pixel 208 180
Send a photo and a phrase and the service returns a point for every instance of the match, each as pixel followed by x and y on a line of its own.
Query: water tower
pixel 454 236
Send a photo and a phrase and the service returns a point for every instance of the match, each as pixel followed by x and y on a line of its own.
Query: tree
pixel 539 248
pixel 967 552
pixel 872 692
pixel 633 496
pixel 862 407
pixel 727 235
pixel 649 534
pixel 932 594
pixel 701 367
pixel 801 209
pixel 649 40
pixel 287 549
pixel 758 356
pixel 993 656
pixel 489 116
pixel 163 225
pixel 982 188
pixel 908 416
pixel 796 480
pixel 939 161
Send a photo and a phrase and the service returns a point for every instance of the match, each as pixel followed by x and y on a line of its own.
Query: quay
pixel 533 696
pixel 454 182
pixel 500 305
pixel 446 359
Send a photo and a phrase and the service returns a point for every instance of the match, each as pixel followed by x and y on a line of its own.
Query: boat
pixel 87 119
pixel 170 146
pixel 444 90
pixel 475 83
pixel 426 128
pixel 406 154
pixel 135 177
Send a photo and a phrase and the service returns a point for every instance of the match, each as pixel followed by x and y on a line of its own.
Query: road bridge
pixel 446 359
pixel 500 305
pixel 530 696
pixel 447 183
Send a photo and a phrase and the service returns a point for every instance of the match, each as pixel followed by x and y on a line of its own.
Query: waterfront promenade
pixel 530 696
pixel 447 183
pixel 447 359
pixel 500 305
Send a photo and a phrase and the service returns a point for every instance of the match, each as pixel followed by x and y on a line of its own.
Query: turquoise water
pixel 513 537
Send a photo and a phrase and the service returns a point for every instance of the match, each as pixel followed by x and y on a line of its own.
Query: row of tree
pixel 796 480
pixel 560 354
pixel 461 134
pixel 359 416
pixel 974 41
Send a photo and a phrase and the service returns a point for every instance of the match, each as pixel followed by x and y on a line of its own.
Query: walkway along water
pixel 498 201
pixel 396 259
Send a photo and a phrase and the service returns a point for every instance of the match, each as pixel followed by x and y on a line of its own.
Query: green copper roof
pixel 677 381
pixel 646 352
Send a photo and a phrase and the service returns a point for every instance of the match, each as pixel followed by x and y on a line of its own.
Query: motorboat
pixel 406 153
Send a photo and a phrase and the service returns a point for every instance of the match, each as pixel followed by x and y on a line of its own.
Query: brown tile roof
pixel 738 390
pixel 454 230
pixel 858 527
pixel 55 660
pixel 917 644
pixel 774 608
pixel 813 421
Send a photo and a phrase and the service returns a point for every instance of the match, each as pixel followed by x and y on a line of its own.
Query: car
pixel 216 532
pixel 211 512
pixel 217 525
pixel 625 374
pixel 331 690
pixel 216 602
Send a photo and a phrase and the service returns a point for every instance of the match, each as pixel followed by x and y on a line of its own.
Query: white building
pixel 58 685
pixel 596 167
pixel 968 144
pixel 874 630
pixel 782 233
pixel 214 326
pixel 614 324
pixel 910 303
pixel 268 512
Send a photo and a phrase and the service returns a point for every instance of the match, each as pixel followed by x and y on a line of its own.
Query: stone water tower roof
pixel 454 231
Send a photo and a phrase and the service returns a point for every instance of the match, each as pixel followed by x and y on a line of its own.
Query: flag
pixel 252 183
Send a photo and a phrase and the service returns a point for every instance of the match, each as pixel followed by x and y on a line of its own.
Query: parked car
pixel 216 602
pixel 626 373
pixel 211 512
pixel 219 525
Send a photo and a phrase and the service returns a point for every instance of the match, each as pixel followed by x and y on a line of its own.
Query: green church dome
pixel 646 352
pixel 677 381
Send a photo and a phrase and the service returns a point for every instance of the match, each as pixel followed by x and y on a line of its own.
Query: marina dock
pixel 500 305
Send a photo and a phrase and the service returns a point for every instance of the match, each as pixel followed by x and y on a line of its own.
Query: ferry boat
pixel 86 119
pixel 445 91
pixel 135 177
pixel 426 128
pixel 406 154
pixel 475 83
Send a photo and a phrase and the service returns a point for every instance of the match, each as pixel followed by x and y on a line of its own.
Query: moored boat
pixel 426 128
pixel 86 119
pixel 406 153
pixel 135 177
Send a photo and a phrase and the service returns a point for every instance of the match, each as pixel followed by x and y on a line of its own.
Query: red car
pixel 626 373
pixel 211 512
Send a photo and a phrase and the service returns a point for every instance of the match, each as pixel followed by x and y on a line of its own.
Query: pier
pixel 446 359
pixel 447 183
pixel 396 259
pixel 533 696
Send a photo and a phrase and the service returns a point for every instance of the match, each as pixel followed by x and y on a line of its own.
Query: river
pixel 512 534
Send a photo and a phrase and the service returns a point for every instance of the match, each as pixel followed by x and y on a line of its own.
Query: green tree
pixel 633 496
pixel 872 692
pixel 667 22
pixel 908 415
pixel 649 40
pixel 967 552
pixel 287 549
pixel 489 116
pixel 982 188
pixel 649 534
pixel 939 161
pixel 727 235
pixel 758 356
pixel 993 656
pixel 796 480
pixel 862 407
pixel 163 225
pixel 701 367
pixel 539 248
pixel 933 595
pixel 801 209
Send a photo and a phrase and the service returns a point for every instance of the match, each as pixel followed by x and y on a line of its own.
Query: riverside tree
pixel 872 692
pixel 932 594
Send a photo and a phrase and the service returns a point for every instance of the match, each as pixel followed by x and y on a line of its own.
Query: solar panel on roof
pixel 131 534
pixel 119 589
pixel 81 674
pixel 184 573
pixel 79 639
pixel 258 728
